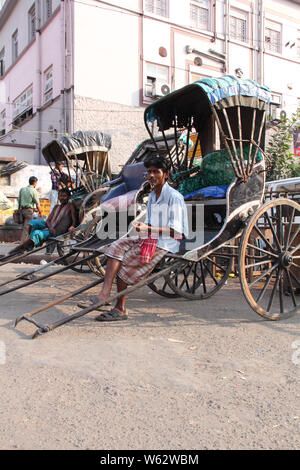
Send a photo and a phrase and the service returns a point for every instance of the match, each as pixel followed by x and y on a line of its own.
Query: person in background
pixel 59 180
pixel 62 219
pixel 28 202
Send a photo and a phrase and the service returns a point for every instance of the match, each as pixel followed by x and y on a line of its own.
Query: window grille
pixel 157 7
pixel 238 25
pixel 15 51
pixel 200 14
pixel 272 36
pixel 31 24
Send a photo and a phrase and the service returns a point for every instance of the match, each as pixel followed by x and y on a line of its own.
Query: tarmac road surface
pixel 177 375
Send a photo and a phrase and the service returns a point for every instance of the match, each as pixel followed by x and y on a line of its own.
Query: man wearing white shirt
pixel 133 258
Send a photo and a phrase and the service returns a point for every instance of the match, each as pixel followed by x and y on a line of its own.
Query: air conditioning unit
pixel 160 88
pixel 279 114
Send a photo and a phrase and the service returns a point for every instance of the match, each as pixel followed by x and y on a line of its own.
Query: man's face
pixel 156 176
pixel 60 167
pixel 63 198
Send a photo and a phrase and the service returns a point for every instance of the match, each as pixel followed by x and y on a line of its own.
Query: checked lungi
pixel 128 251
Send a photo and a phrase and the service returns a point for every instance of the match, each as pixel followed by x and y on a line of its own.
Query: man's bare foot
pixel 90 302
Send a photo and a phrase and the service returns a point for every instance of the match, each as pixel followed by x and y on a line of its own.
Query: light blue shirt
pixel 168 210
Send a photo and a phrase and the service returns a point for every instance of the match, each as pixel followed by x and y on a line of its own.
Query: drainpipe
pixel 39 80
pixel 70 23
pixel 63 65
pixel 260 71
pixel 226 35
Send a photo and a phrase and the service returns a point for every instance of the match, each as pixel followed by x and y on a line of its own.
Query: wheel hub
pixel 286 260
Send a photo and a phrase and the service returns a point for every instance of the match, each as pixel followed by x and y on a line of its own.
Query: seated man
pixel 61 219
pixel 133 258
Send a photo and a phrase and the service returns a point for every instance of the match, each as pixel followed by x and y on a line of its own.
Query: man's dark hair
pixel 159 162
pixel 64 190
pixel 32 180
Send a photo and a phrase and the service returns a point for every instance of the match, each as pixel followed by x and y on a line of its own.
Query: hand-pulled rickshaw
pixel 85 156
pixel 223 119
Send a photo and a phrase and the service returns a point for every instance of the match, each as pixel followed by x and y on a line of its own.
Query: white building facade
pixel 93 64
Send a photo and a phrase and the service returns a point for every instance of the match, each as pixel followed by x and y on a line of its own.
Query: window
pixel 157 7
pixel 200 14
pixel 15 52
pixel 272 36
pixel 238 25
pixel 47 9
pixel 48 85
pixel 31 24
pixel 157 80
pixel 2 122
pixel 2 65
pixel 23 106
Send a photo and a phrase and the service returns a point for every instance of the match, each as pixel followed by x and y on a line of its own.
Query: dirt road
pixel 177 375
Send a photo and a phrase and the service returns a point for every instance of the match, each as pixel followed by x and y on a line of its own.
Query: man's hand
pixel 140 227
pixel 71 229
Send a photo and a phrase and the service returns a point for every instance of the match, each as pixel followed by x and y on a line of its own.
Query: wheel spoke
pixel 291 288
pixel 203 278
pixel 270 270
pixel 289 229
pixel 210 273
pixel 262 250
pixel 262 292
pixel 294 237
pixel 260 263
pixel 281 295
pixel 219 266
pixel 263 237
pixel 272 230
pixel 297 266
pixel 185 279
pixel 296 248
pixel 274 290
pixel 295 278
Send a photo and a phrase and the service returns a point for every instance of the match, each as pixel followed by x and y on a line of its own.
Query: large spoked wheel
pixel 269 261
pixel 160 286
pixel 96 265
pixel 66 246
pixel 198 280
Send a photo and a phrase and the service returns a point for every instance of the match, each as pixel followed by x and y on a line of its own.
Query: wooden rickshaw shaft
pixel 23 255
pixel 58 271
pixel 58 301
pixel 46 328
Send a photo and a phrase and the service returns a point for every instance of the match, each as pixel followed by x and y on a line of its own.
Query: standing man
pixel 131 259
pixel 28 200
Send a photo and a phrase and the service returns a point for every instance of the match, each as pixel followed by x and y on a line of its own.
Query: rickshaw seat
pixel 131 179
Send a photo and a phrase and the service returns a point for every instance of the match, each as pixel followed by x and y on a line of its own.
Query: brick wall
pixel 125 124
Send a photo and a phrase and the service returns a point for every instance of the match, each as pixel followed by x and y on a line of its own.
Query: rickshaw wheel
pixel 160 286
pixel 269 260
pixel 64 247
pixel 199 280
pixel 96 265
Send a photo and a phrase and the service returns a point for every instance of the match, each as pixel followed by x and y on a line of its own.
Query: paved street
pixel 177 375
